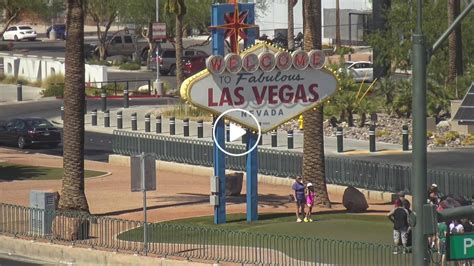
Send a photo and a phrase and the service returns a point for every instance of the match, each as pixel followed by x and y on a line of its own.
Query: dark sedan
pixel 59 29
pixel 26 132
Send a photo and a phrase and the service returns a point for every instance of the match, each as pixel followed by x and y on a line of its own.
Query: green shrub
pixel 14 80
pixel 451 135
pixel 381 133
pixel 130 66
pixel 52 80
pixel 469 140
pixel 429 134
pixel 54 90
pixel 344 50
pixel 98 62
pixel 440 141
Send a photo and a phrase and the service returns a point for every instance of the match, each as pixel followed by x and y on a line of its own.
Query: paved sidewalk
pixel 8 93
pixel 351 146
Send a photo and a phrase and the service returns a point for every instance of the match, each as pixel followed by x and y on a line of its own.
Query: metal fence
pixel 288 164
pixel 191 241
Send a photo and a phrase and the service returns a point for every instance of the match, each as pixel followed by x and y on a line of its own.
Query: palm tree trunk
pixel 338 27
pixel 179 50
pixel 72 192
pixel 313 143
pixel 455 67
pixel 291 26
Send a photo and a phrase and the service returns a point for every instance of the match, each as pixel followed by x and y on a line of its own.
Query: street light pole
pixel 159 84
pixel 419 174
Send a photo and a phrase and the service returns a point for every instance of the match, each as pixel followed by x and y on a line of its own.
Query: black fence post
pixel 125 98
pixel 227 132
pixel 107 118
pixel 115 88
pixel 372 138
pixel 19 92
pixel 147 123
pixel 119 120
pixel 274 138
pixel 94 117
pixel 290 139
pixel 62 112
pixel 103 100
pixel 405 137
pixel 158 124
pixel 186 127
pixel 134 122
pixel 200 129
pixel 172 126
pixel 340 139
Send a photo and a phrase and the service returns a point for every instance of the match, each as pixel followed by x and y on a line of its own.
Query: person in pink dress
pixel 309 201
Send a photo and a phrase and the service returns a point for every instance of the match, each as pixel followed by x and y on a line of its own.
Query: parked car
pixel 167 59
pixel 193 64
pixel 59 29
pixel 24 132
pixel 18 33
pixel 360 70
pixel 123 44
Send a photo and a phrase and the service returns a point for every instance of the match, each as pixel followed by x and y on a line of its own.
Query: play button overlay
pixel 237 132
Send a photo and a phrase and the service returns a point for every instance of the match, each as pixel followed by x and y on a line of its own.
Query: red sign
pixel 159 31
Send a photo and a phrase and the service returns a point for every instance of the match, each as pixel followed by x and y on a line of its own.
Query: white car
pixel 360 70
pixel 18 33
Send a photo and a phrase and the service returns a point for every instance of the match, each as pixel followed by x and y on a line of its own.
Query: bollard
pixel 290 139
pixel 158 124
pixel 94 117
pixel 147 123
pixel 125 99
pixel 19 92
pixel 340 139
pixel 134 122
pixel 172 126
pixel 119 120
pixel 200 129
pixel 103 100
pixel 107 118
pixel 62 112
pixel 186 127
pixel 274 138
pixel 372 138
pixel 212 129
pixel 405 137
pixel 227 132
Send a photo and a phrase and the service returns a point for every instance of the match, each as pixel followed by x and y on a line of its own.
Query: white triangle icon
pixel 236 132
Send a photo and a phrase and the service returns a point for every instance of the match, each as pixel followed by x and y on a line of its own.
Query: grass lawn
pixel 280 232
pixel 11 172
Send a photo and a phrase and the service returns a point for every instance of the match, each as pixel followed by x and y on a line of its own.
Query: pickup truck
pixel 123 44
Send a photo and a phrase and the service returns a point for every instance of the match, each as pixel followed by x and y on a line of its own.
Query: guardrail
pixel 288 164
pixel 190 241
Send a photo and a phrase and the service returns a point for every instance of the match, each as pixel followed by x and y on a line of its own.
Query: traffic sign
pixel 460 246
pixel 159 31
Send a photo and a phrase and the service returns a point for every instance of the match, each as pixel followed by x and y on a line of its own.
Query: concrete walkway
pixel 8 93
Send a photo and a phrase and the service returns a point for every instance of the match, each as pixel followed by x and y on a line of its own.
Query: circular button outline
pixel 243 153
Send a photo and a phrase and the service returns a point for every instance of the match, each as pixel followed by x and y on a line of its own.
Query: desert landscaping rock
pixel 353 200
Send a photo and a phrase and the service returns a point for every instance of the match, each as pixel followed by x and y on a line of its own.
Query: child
pixel 298 187
pixel 309 201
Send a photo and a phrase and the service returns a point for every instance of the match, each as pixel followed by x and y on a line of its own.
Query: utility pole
pixel 159 84
pixel 421 55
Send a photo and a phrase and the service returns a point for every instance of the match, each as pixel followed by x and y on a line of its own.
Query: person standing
pixel 309 202
pixel 442 232
pixel 399 218
pixel 299 188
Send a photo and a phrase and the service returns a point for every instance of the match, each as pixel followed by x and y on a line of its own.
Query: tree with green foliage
pixel 178 9
pixel 12 9
pixel 103 13
pixel 50 9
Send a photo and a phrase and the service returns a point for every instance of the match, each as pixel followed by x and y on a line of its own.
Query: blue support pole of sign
pixel 219 156
pixel 251 33
pixel 252 178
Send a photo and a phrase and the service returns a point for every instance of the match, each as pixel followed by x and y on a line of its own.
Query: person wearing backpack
pixel 399 218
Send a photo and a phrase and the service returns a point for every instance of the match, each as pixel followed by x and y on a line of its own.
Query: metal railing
pixel 288 164
pixel 190 241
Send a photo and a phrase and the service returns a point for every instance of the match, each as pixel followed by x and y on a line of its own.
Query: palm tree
pixel 313 143
pixel 178 8
pixel 72 191
pixel 291 25
pixel 455 67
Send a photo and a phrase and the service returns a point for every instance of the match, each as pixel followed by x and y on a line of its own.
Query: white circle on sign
pixel 283 60
pixel 300 59
pixel 233 63
pixel 267 61
pixel 242 153
pixel 250 63
pixel 215 64
pixel 316 59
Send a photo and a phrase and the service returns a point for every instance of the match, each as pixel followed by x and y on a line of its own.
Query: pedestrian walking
pixel 442 232
pixel 399 218
pixel 310 194
pixel 299 188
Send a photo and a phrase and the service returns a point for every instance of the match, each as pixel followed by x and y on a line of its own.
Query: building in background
pixel 358 11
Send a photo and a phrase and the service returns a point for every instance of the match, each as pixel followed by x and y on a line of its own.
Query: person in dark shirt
pixel 399 217
pixel 467 225
pixel 300 198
